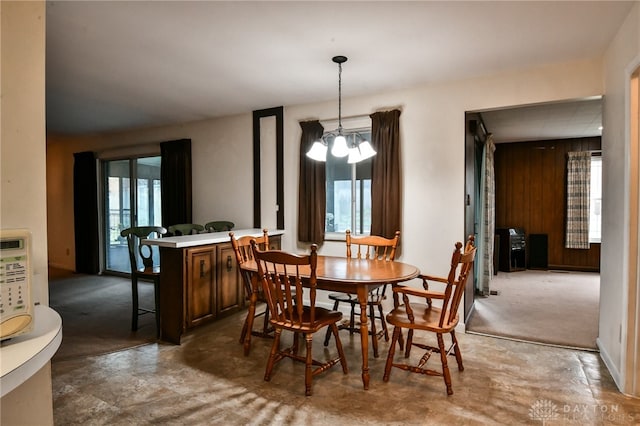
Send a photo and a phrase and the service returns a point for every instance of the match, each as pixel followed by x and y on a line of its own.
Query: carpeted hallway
pixel 208 381
pixel 551 307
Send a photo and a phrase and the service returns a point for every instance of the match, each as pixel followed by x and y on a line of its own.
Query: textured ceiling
pixel 118 65
pixel 547 121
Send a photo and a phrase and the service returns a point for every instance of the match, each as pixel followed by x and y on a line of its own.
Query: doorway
pixel 539 135
pixel 131 189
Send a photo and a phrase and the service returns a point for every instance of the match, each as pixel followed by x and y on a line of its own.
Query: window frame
pixel 340 235
pixel 594 239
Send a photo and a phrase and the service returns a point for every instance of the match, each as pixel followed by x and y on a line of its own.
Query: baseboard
pixel 532 342
pixel 613 370
pixel 573 268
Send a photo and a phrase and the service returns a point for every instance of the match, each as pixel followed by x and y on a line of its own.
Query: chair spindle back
pixel 372 247
pixel 243 251
pixel 280 274
pixel 134 236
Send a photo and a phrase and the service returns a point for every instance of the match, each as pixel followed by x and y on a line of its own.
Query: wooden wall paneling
pixel 536 194
pixel 516 195
pixel 553 210
pixel 500 186
pixel 557 193
pixel 525 210
pixel 520 160
pixel 531 193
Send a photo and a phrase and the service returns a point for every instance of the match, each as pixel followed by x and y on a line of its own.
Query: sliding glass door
pixel 131 198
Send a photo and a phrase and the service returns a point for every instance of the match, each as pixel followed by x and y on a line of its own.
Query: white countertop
pixel 206 238
pixel 24 355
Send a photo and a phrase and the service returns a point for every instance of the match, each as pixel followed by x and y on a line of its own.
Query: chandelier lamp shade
pixel 357 150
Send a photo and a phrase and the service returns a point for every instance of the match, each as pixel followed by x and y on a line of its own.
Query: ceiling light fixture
pixel 357 151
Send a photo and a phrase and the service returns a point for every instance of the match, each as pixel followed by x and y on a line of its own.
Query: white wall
pixel 22 175
pixel 432 127
pixel 23 159
pixel 622 55
pixel 222 173
pixel 433 137
pixel 432 132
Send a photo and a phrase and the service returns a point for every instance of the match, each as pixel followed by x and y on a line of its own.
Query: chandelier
pixel 356 150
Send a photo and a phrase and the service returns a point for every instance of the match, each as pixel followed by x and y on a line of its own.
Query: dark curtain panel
pixel 386 187
pixel 85 212
pixel 175 174
pixel 312 187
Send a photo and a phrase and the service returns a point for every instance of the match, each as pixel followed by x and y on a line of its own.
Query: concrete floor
pixel 208 381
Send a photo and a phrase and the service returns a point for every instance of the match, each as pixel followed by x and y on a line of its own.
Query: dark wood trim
pixel 278 112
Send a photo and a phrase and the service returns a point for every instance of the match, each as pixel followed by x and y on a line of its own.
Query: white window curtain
pixel 578 192
pixel 487 218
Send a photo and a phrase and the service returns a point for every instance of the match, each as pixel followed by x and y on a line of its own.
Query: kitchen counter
pixel 24 355
pixel 185 241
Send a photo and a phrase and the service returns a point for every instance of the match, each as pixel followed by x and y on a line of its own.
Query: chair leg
pixel 343 361
pixel 456 350
pixel 134 298
pixel 401 341
pixel 374 333
pixel 407 349
pixel 156 295
pixel 275 348
pixel 352 319
pixel 296 343
pixel 392 350
pixel 265 323
pixel 384 324
pixel 445 366
pixel 328 335
pixel 245 335
pixel 308 372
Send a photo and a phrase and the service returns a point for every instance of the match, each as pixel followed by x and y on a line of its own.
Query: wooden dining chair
pixel 219 226
pixel 252 290
pixel 375 248
pixel 185 228
pixel 422 315
pixel 279 273
pixel 145 272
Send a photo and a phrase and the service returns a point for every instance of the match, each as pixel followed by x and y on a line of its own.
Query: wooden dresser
pixel 199 279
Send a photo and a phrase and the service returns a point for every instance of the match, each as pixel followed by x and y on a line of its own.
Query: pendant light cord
pixel 339 98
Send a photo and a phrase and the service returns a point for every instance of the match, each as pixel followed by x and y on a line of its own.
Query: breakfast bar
pixel 199 279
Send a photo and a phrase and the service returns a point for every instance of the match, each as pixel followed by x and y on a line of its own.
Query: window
pixel 348 191
pixel 595 200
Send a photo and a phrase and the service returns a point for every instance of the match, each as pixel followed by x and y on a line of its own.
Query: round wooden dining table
pixel 359 277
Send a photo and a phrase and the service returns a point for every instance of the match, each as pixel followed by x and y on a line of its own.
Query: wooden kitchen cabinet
pixel 230 296
pixel 199 280
pixel 201 285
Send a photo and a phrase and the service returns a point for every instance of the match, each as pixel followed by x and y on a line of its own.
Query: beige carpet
pixel 552 307
pixel 96 314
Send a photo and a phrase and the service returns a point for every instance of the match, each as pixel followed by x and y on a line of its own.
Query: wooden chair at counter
pixel 279 275
pixel 145 272
pixel 423 316
pixel 219 226
pixel 253 292
pixel 371 247
pixel 185 229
